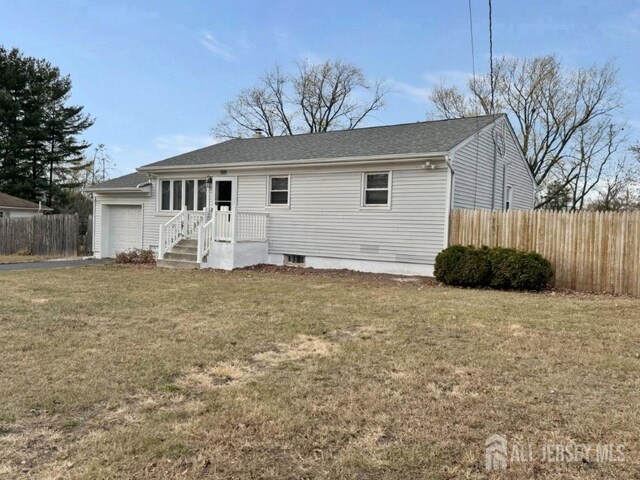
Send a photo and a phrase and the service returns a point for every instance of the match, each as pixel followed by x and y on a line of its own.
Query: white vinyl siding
pixel 473 179
pixel 326 219
pixel 251 193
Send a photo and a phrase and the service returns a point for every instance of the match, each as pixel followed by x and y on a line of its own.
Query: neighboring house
pixel 372 199
pixel 14 207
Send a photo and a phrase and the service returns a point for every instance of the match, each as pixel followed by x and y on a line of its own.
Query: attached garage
pixel 121 228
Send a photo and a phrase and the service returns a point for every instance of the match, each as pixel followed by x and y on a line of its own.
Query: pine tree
pixel 40 149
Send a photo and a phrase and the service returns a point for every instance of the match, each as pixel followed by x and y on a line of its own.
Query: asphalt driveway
pixel 52 264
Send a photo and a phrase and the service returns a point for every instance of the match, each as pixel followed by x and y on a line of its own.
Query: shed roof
pixel 9 201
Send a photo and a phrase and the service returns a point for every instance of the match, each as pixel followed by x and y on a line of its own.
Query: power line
pixel 473 81
pixel 473 54
pixel 493 111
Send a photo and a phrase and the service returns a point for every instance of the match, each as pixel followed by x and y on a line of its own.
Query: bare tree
pixel 564 118
pixel 591 156
pixel 619 190
pixel 316 98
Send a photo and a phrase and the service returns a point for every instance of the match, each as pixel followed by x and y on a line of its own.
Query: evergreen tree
pixel 40 149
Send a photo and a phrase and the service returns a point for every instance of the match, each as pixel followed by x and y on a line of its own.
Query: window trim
pixel 364 189
pixel 508 197
pixel 269 190
pixel 171 181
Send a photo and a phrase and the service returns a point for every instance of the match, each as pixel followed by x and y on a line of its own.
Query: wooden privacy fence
pixel 589 251
pixel 40 235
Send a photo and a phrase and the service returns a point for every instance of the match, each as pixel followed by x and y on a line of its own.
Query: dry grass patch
pixel 304 346
pixel 23 258
pixel 264 373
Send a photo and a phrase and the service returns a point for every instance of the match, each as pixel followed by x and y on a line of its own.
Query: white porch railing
pixel 205 239
pixel 251 227
pixel 224 226
pixel 184 225
pixel 223 221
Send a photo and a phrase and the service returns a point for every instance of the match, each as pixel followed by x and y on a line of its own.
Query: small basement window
pixel 294 259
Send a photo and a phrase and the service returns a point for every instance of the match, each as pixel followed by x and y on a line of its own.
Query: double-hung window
pixel 279 190
pixel 175 194
pixel 376 191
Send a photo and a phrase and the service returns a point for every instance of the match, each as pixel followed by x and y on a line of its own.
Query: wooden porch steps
pixel 183 255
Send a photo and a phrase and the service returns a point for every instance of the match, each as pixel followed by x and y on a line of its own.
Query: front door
pixel 222 195
pixel 222 204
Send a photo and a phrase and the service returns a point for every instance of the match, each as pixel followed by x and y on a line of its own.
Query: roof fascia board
pixel 117 190
pixel 37 209
pixel 471 137
pixel 521 153
pixel 505 118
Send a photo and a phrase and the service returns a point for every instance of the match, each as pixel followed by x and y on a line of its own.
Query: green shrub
pixel 136 257
pixel 516 270
pixel 502 268
pixel 463 266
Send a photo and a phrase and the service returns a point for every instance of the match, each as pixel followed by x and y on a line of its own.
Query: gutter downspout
pixel 450 183
pixel 495 163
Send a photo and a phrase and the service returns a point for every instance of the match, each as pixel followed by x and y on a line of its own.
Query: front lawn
pixel 116 372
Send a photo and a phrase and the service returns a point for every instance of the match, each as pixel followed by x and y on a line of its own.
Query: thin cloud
pixel 421 92
pixel 456 78
pixel 413 92
pixel 180 143
pixel 283 39
pixel 624 28
pixel 244 41
pixel 312 58
pixel 211 43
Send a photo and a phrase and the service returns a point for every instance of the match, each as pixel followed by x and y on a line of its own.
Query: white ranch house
pixel 371 199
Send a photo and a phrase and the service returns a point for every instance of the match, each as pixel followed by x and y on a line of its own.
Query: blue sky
pixel 155 75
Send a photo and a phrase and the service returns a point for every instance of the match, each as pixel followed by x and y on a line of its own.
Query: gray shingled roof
pixel 126 181
pixel 437 136
pixel 421 137
pixel 9 201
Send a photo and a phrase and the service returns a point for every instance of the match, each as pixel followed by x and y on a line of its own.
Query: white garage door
pixel 124 228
